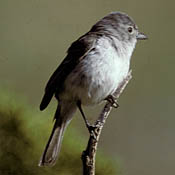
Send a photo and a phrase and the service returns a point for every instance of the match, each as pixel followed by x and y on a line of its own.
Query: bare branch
pixel 89 155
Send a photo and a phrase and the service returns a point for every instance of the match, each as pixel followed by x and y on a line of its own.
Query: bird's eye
pixel 130 29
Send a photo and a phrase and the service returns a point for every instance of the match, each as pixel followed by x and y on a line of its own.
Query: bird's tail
pixel 63 116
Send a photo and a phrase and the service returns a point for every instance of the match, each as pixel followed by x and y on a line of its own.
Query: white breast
pixel 98 75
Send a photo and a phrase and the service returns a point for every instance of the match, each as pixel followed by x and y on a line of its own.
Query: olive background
pixel 34 37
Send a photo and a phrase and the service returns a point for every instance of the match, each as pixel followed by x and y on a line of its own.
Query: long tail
pixel 63 116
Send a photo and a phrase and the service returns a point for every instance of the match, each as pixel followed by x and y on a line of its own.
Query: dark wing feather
pixel 76 52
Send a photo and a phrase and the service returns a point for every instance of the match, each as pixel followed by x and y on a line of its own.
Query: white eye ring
pixel 130 29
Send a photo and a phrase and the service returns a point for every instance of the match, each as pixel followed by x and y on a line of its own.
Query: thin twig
pixel 89 155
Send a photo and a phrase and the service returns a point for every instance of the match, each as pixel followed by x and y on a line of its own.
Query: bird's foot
pixel 92 130
pixel 111 99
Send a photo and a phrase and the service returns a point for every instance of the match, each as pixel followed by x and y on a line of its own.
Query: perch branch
pixel 89 155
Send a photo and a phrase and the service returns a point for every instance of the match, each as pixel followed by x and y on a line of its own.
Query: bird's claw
pixel 111 99
pixel 92 130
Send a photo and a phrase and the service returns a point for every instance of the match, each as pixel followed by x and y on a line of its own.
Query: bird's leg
pixel 83 115
pixel 111 99
pixel 88 125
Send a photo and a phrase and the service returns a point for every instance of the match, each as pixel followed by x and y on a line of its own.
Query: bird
pixel 95 65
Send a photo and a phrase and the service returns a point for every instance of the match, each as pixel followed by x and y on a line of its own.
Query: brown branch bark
pixel 89 155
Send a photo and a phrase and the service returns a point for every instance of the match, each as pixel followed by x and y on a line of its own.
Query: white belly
pixel 97 76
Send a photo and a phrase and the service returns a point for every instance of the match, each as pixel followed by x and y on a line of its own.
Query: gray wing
pixel 77 51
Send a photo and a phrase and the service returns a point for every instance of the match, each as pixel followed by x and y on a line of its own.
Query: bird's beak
pixel 141 36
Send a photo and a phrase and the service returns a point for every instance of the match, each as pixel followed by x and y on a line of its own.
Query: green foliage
pixel 23 135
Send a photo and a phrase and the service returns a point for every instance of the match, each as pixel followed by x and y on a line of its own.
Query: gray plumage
pixel 95 65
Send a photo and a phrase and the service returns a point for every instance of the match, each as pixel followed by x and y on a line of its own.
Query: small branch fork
pixel 89 155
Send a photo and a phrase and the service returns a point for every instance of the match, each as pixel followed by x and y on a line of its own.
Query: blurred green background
pixel 34 37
